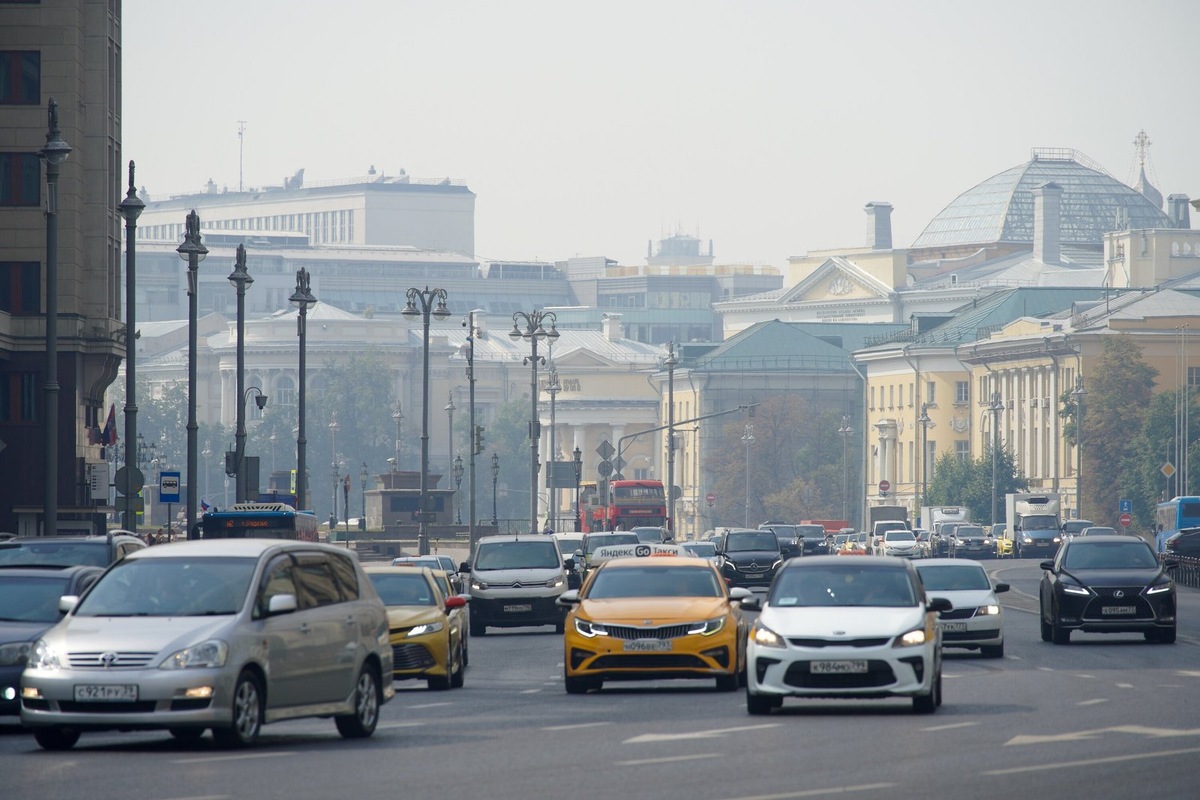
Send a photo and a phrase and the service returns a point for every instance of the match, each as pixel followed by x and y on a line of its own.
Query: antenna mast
pixel 241 140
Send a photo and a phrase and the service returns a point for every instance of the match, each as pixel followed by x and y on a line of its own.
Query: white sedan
pixel 977 621
pixel 840 627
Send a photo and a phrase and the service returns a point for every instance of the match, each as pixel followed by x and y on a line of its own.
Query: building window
pixel 930 460
pixel 20 288
pixel 872 398
pixel 931 394
pixel 891 397
pixel 285 393
pixel 19 179
pixel 962 392
pixel 911 394
pixel 18 397
pixel 962 451
pixel 1193 376
pixel 20 78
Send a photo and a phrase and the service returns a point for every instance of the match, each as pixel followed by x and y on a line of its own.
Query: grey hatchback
pixel 227 634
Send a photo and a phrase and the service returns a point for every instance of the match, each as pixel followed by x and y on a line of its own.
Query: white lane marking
pixel 1093 702
pixel 243 757
pixel 1014 658
pixel 390 725
pixel 1124 685
pixel 866 787
pixel 666 760
pixel 576 726
pixel 1092 761
pixel 1077 736
pixel 428 705
pixel 670 737
pixel 950 727
pixel 530 691
pixel 202 797
pixel 1085 676
pixel 951 674
pixel 1188 673
pixel 1046 669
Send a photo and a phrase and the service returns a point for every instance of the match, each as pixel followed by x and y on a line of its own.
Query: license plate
pixel 953 627
pixel 518 608
pixel 753 575
pixel 1118 610
pixel 123 692
pixel 648 646
pixel 836 667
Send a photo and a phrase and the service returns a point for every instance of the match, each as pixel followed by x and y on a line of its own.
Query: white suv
pixel 899 542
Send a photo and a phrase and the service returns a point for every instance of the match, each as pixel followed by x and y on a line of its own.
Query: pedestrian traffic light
pixel 478 439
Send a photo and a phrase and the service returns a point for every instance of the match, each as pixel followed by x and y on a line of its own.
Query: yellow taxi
pixel 428 639
pixel 1004 544
pixel 650 618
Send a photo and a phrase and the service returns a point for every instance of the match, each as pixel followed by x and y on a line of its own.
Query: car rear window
pixel 951 578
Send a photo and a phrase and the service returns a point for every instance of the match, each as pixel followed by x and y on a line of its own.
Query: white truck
pixel 884 518
pixel 1033 523
pixel 932 516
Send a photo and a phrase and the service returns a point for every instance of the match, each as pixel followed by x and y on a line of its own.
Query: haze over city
pixel 592 129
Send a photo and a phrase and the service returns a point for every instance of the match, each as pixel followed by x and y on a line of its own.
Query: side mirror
pixel 568 598
pixel 455 601
pixel 465 567
pixel 939 604
pixel 1168 563
pixel 740 593
pixel 281 604
pixel 67 602
pixel 1000 587
pixel 751 603
pixel 569 564
pixel 1047 565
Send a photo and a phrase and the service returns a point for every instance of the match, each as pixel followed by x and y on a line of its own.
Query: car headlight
pixel 42 656
pixel 765 637
pixel 589 629
pixel 429 627
pixel 199 656
pixel 708 627
pixel 778 562
pixel 555 583
pixel 1157 588
pixel 1070 588
pixel 478 584
pixel 1027 540
pixel 913 638
pixel 987 611
pixel 13 654
pixel 1057 539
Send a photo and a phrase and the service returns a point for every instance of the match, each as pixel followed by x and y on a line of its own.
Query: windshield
pixel 963 531
pixel 32 599
pixel 702 549
pixel 899 536
pixel 648 535
pixel 1086 554
pixel 838 585
pixel 745 542
pixel 654 582
pixel 953 578
pixel 402 588
pixel 518 555
pixel 1039 522
pixel 55 554
pixel 170 587
pixel 608 539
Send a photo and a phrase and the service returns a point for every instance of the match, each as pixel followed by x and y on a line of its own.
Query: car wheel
pixel 928 703
pixel 466 651
pixel 56 738
pixel 1165 635
pixel 727 683
pixel 186 734
pixel 457 677
pixel 247 713
pixel 760 705
pixel 560 626
pixel 1058 633
pixel 992 650
pixel 477 628
pixel 361 723
pixel 579 685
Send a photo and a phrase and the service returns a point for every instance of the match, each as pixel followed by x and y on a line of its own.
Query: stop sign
pixel 710 497
pixel 1126 520
pixel 885 486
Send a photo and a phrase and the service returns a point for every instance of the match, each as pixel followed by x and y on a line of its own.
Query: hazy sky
pixel 592 128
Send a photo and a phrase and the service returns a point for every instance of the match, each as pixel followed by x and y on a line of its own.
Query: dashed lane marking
pixel 866 787
pixel 712 734
pixel 427 705
pixel 242 757
pixel 1079 736
pixel 1124 685
pixel 666 760
pixel 1093 702
pixel 950 727
pixel 1092 762
pixel 576 726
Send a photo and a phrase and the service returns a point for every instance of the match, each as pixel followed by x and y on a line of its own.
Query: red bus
pixel 630 504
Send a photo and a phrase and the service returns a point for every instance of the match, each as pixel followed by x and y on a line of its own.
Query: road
pixel 1105 717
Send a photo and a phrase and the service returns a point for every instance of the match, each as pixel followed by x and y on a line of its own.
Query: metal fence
pixel 1188 571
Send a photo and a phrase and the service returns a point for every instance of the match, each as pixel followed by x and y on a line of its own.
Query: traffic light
pixel 478 439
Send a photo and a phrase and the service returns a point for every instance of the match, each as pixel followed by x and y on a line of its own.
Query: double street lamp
pixel 426 298
pixel 193 252
pixel 458 473
pixel 533 331
pixel 240 278
pixel 302 298
pixel 495 478
pixel 130 208
pixel 846 430
pixel 995 407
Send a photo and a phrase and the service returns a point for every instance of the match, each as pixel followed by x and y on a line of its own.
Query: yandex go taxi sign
pixel 610 551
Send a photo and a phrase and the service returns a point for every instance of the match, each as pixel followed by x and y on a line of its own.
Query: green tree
pixel 968 483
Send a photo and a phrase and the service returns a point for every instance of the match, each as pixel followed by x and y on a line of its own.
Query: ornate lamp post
pixel 748 438
pixel 577 460
pixel 845 431
pixel 924 421
pixel 553 387
pixel 54 153
pixel 1079 393
pixel 240 279
pixel 495 478
pixel 302 298
pixel 398 418
pixel 193 252
pixel 458 473
pixel 670 363
pixel 426 298
pixel 130 208
pixel 334 427
pixel 996 407
pixel 362 479
pixel 475 434
pixel 532 333
pixel 241 491
pixel 449 409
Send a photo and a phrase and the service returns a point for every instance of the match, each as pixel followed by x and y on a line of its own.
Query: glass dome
pixel 1001 208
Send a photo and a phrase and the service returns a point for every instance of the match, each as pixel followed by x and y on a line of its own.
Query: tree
pixel 958 482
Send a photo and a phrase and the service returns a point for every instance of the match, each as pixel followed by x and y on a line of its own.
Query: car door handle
pixel 304 628
pixel 351 621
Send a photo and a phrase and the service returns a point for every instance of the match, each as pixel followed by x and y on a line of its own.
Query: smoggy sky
pixel 589 129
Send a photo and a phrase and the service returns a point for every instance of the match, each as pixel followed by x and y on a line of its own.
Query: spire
pixel 1143 185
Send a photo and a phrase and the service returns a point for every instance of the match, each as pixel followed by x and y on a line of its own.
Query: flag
pixel 109 435
pixel 204 506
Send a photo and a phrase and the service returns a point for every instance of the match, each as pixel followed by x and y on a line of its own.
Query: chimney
pixel 1177 208
pixel 1047 200
pixel 611 325
pixel 879 225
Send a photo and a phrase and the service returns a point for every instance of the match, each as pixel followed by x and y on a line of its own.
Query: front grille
pixel 1107 592
pixel 879 673
pixel 71 706
pixel 649 661
pixel 961 636
pixel 630 633
pixel 191 704
pixel 410 656
pixel 839 642
pixel 958 613
pixel 108 659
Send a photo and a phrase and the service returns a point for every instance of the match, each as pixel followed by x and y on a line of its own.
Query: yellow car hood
pixel 653 610
pixel 409 616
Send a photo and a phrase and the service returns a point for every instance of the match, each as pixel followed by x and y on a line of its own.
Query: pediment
pixel 835 281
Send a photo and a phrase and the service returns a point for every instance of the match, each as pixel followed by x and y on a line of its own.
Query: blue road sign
pixel 168 487
pixel 1126 506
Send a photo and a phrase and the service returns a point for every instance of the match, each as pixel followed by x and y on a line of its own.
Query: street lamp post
pixel 845 431
pixel 532 333
pixel 473 432
pixel 924 421
pixel 577 460
pixel 995 408
pixel 398 417
pixel 495 478
pixel 458 473
pixel 553 387
pixel 1079 393
pixel 272 437
pixel 240 278
pixel 54 153
pixel 207 454
pixel 302 298
pixel 362 479
pixel 193 252
pixel 426 298
pixel 449 409
pixel 241 490
pixel 130 208
pixel 748 438
pixel 671 362
pixel 334 427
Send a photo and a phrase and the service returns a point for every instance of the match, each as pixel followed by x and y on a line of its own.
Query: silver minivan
pixel 224 634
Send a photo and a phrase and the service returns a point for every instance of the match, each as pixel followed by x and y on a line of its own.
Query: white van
pixel 514 582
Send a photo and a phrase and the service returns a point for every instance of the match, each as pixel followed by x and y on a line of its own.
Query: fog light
pixel 31 693
pixel 9 693
pixel 198 691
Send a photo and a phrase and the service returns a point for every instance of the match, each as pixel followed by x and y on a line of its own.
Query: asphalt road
pixel 1105 717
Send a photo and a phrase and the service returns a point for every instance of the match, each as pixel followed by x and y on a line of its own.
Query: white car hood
pixel 966 598
pixel 836 621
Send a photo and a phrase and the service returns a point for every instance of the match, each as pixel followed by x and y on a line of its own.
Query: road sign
pixel 1126 506
pixel 168 487
pixel 129 480
pixel 885 487
pixel 604 468
pixel 1167 469
pixel 1126 520
pixel 605 450
pixel 710 498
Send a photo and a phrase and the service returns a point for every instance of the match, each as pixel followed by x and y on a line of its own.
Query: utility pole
pixel 241 140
